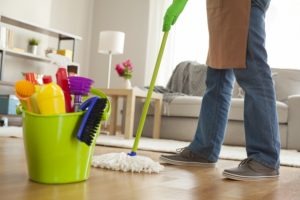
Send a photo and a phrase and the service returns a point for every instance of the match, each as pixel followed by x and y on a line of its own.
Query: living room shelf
pixel 25 55
pixel 37 28
pixel 7 83
pixel 60 35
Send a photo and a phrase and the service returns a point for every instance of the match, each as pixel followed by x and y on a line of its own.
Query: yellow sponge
pixel 65 52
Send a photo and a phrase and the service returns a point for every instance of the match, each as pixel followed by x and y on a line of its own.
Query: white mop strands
pixel 133 162
pixel 126 163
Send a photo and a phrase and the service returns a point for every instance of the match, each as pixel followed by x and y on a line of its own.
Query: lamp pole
pixel 109 68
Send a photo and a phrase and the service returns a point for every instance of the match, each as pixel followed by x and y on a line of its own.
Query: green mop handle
pixel 149 94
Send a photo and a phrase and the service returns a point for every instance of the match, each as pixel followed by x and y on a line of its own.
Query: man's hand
pixel 172 13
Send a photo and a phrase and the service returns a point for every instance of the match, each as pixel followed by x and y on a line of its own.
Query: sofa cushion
pixel 183 106
pixel 286 83
pixel 237 110
pixel 189 106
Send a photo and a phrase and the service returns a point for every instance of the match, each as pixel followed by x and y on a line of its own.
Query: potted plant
pixel 32 45
pixel 125 70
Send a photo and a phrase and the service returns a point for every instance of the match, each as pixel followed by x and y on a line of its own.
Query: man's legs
pixel 262 137
pixel 205 148
pixel 260 116
pixel 213 114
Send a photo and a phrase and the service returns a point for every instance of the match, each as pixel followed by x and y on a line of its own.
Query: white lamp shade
pixel 111 42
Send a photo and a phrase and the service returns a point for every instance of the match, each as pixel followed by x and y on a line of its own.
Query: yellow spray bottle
pixel 50 98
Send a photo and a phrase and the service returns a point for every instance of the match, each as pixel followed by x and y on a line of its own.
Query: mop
pixel 131 162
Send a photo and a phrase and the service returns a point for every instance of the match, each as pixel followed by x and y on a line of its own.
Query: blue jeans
pixel 260 115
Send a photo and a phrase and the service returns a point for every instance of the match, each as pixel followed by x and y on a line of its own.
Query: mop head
pixel 126 163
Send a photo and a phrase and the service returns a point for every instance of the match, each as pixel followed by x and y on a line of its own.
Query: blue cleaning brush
pixel 90 123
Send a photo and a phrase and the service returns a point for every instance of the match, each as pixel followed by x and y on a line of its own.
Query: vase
pixel 127 84
pixel 32 49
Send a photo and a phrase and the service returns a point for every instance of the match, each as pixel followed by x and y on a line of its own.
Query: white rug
pixel 287 157
pixel 11 131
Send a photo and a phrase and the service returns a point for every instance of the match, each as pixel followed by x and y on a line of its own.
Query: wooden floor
pixel 173 183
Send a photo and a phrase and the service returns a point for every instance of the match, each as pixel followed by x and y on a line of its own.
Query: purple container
pixel 79 86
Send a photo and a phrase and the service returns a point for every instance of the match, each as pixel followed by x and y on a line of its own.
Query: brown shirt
pixel 228 24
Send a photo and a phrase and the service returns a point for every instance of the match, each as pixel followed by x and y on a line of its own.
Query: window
pixel 188 39
pixel 283 34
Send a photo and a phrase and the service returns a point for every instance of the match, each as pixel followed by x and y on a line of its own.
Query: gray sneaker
pixel 251 170
pixel 186 157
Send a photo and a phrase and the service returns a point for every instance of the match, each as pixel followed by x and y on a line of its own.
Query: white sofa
pixel 180 116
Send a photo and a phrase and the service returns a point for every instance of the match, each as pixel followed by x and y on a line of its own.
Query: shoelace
pixel 245 161
pixel 187 154
pixel 179 150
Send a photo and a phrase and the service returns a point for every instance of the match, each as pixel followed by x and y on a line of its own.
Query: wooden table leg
pixel 129 117
pixel 157 118
pixel 113 115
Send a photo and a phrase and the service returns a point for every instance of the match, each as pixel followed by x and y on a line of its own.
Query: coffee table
pixel 131 95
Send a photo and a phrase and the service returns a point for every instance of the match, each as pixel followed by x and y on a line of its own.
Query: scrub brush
pixel 24 90
pixel 90 123
pixel 79 86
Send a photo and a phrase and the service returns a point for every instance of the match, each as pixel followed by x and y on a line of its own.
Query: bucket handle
pixel 107 109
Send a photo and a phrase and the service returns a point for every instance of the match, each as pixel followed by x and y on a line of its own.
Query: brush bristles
pixel 24 88
pixel 93 122
pixel 79 85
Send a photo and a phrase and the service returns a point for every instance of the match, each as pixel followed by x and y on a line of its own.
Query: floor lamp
pixel 111 43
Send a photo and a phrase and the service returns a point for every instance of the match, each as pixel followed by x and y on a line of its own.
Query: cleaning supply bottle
pixel 50 98
pixel 63 82
pixel 33 99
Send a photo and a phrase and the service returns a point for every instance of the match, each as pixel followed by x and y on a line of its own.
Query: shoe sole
pixel 164 160
pixel 249 178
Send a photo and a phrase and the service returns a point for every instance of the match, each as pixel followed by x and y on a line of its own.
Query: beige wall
pixel 30 10
pixel 75 16
pixel 131 17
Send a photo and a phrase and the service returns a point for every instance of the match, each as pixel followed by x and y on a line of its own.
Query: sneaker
pixel 251 170
pixel 186 157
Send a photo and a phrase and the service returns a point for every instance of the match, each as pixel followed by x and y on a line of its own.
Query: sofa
pixel 182 103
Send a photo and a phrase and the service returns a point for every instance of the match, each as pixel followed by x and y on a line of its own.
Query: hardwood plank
pixel 173 183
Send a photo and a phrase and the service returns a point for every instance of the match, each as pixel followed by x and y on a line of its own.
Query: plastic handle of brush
pixel 107 109
pixel 149 94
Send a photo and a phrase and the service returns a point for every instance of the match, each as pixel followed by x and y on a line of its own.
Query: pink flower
pixel 127 64
pixel 125 69
pixel 120 69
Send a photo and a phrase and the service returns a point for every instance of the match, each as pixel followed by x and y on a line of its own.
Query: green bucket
pixel 53 152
